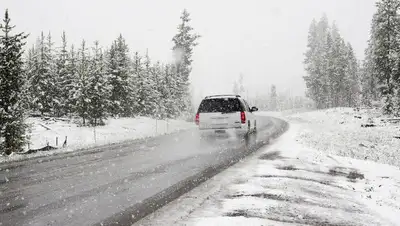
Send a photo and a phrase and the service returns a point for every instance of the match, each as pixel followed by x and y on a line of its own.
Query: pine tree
pixel 80 92
pixel 311 64
pixel 12 125
pixel 323 80
pixel 332 69
pixel 329 69
pixel 385 45
pixel 164 92
pixel 120 76
pixel 98 88
pixel 235 89
pixel 42 77
pixel 316 63
pixel 148 89
pixel 352 82
pixel 184 42
pixel 63 80
pixel 273 99
pixel 369 78
pixel 241 85
pixel 338 57
pixel 29 69
pixel 54 89
pixel 139 78
pixel 71 80
pixel 163 95
pixel 168 92
pixel 172 102
pixel 157 75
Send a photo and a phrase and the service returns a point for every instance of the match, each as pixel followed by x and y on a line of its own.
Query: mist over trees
pixel 238 86
pixel 273 103
pixel 332 78
pixel 273 99
pixel 89 81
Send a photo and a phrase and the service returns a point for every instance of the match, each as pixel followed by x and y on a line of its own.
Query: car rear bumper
pixel 237 131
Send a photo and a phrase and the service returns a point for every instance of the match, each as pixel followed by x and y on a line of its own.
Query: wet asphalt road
pixel 118 184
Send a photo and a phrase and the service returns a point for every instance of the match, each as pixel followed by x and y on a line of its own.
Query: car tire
pixel 248 129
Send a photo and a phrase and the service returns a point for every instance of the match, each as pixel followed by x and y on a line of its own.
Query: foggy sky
pixel 263 39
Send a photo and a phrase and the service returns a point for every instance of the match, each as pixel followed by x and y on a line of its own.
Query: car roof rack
pixel 224 95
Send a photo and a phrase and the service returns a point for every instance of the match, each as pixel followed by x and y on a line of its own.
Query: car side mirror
pixel 254 109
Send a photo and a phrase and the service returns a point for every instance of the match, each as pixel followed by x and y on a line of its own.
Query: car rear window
pixel 224 105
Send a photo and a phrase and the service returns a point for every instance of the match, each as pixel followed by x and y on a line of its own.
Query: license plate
pixel 219 121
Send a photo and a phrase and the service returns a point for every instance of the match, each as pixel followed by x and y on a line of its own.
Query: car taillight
pixel 197 120
pixel 243 117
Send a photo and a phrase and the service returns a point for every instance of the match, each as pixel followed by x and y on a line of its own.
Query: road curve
pixel 118 184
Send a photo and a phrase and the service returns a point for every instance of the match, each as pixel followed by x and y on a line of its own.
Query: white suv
pixel 224 114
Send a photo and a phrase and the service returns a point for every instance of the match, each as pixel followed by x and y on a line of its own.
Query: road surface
pixel 118 184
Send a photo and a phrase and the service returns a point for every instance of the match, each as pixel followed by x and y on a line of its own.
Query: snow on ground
pixel 339 132
pixel 115 130
pixel 296 182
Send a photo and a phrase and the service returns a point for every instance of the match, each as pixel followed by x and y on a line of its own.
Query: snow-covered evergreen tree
pixel 156 77
pixel 241 85
pixel 80 92
pixel 316 63
pixel 352 81
pixel 148 89
pixel 170 86
pixel 323 80
pixel 385 46
pixel 98 88
pixel 120 76
pixel 62 80
pixel 147 92
pixel 235 89
pixel 12 111
pixel 310 63
pixel 184 42
pixel 164 92
pixel 29 70
pixel 339 64
pixel 328 70
pixel 70 82
pixel 55 102
pixel 273 105
pixel 238 86
pixel 139 84
pixel 369 78
pixel 332 71
pixel 42 79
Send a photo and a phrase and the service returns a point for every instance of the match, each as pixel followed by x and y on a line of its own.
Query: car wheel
pixel 255 125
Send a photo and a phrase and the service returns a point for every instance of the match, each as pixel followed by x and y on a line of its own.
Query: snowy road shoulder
pixel 55 132
pixel 290 184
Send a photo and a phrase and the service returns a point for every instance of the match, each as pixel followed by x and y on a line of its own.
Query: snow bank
pixel 339 132
pixel 115 130
pixel 281 114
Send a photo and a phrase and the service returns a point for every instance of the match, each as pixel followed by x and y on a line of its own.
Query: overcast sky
pixel 263 39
